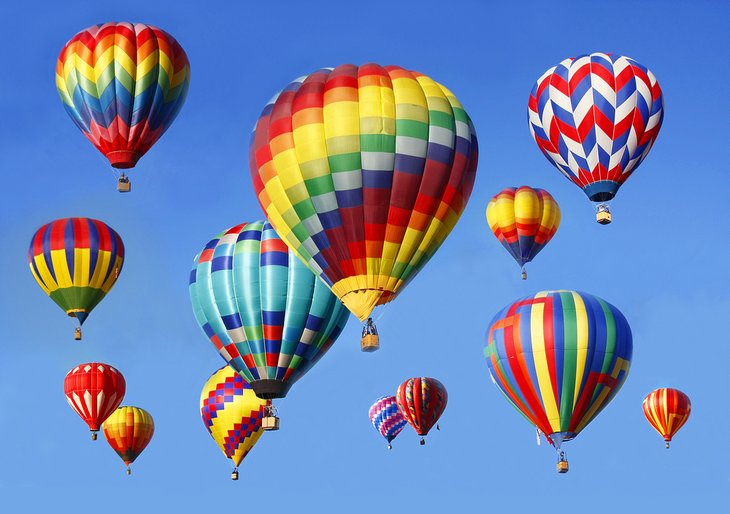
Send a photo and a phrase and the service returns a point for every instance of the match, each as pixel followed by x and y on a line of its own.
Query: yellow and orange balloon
pixel 128 431
pixel 667 410
pixel 524 220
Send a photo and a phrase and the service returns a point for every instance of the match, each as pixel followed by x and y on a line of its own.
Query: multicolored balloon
pixel 559 357
pixel 387 418
pixel 94 390
pixel 524 220
pixel 76 261
pixel 128 431
pixel 667 410
pixel 364 171
pixel 122 84
pixel 268 316
pixel 595 117
pixel 421 400
pixel 232 414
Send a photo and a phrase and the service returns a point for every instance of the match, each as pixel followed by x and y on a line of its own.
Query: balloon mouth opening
pixel 78 314
pixel 559 438
pixel 268 389
pixel 123 159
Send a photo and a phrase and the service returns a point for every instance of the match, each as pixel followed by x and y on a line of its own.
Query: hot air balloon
pixel 559 357
pixel 94 390
pixel 232 414
pixel 76 261
pixel 595 117
pixel 364 171
pixel 122 84
pixel 268 316
pixel 128 431
pixel 421 400
pixel 667 410
pixel 387 418
pixel 524 220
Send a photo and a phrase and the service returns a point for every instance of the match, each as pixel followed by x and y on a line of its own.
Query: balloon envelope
pixel 595 117
pixel 128 431
pixel 524 220
pixel 232 413
pixel 421 400
pixel 667 410
pixel 559 357
pixel 76 261
pixel 122 84
pixel 268 316
pixel 94 390
pixel 386 417
pixel 364 171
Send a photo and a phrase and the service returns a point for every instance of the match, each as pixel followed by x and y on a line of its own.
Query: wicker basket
pixel 370 343
pixel 270 423
pixel 124 185
pixel 603 217
pixel 563 466
pixel 77 334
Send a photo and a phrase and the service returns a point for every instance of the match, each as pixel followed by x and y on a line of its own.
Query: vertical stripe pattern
pixel 122 84
pixel 595 117
pixel 364 171
pixel 667 410
pixel 559 357
pixel 94 390
pixel 524 220
pixel 268 316
pixel 232 413
pixel 76 261
pixel 421 400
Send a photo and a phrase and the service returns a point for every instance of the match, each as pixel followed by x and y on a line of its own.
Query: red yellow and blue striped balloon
pixel 76 261
pixel 122 84
pixel 421 400
pixel 595 117
pixel 232 413
pixel 364 171
pixel 387 418
pixel 268 316
pixel 524 220
pixel 667 410
pixel 559 357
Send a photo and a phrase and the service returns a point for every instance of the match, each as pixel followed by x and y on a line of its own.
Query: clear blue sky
pixel 662 262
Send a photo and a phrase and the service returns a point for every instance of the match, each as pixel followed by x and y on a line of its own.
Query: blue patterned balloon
pixel 387 418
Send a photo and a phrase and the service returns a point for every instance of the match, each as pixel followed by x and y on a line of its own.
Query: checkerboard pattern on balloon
pixel 595 117
pixel 364 171
pixel 266 313
pixel 386 418
pixel 232 413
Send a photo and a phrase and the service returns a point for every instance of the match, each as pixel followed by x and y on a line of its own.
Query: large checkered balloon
pixel 268 316
pixel 364 171
pixel 595 117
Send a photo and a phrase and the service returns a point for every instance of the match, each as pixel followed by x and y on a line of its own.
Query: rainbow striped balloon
pixel 123 85
pixel 364 171
pixel 559 357
pixel 267 315
pixel 232 413
pixel 524 220
pixel 76 261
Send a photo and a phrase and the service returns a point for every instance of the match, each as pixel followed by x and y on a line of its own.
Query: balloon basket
pixel 422 441
pixel 270 423
pixel 234 474
pixel 77 334
pixel 93 436
pixel 124 185
pixel 666 445
pixel 524 275
pixel 603 215
pixel 129 471
pixel 370 340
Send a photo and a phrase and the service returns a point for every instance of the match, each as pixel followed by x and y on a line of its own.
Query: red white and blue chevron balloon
pixel 595 117
pixel 386 418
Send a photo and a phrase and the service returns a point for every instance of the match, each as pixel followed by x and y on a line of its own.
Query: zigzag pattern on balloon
pixel 122 84
pixel 386 418
pixel 595 117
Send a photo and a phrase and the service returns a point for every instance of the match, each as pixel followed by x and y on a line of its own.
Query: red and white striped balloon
pixel 94 390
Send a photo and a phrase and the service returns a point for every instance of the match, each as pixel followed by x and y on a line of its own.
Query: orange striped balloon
pixel 667 410
pixel 128 431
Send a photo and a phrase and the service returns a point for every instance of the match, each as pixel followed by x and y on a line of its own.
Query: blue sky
pixel 662 262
